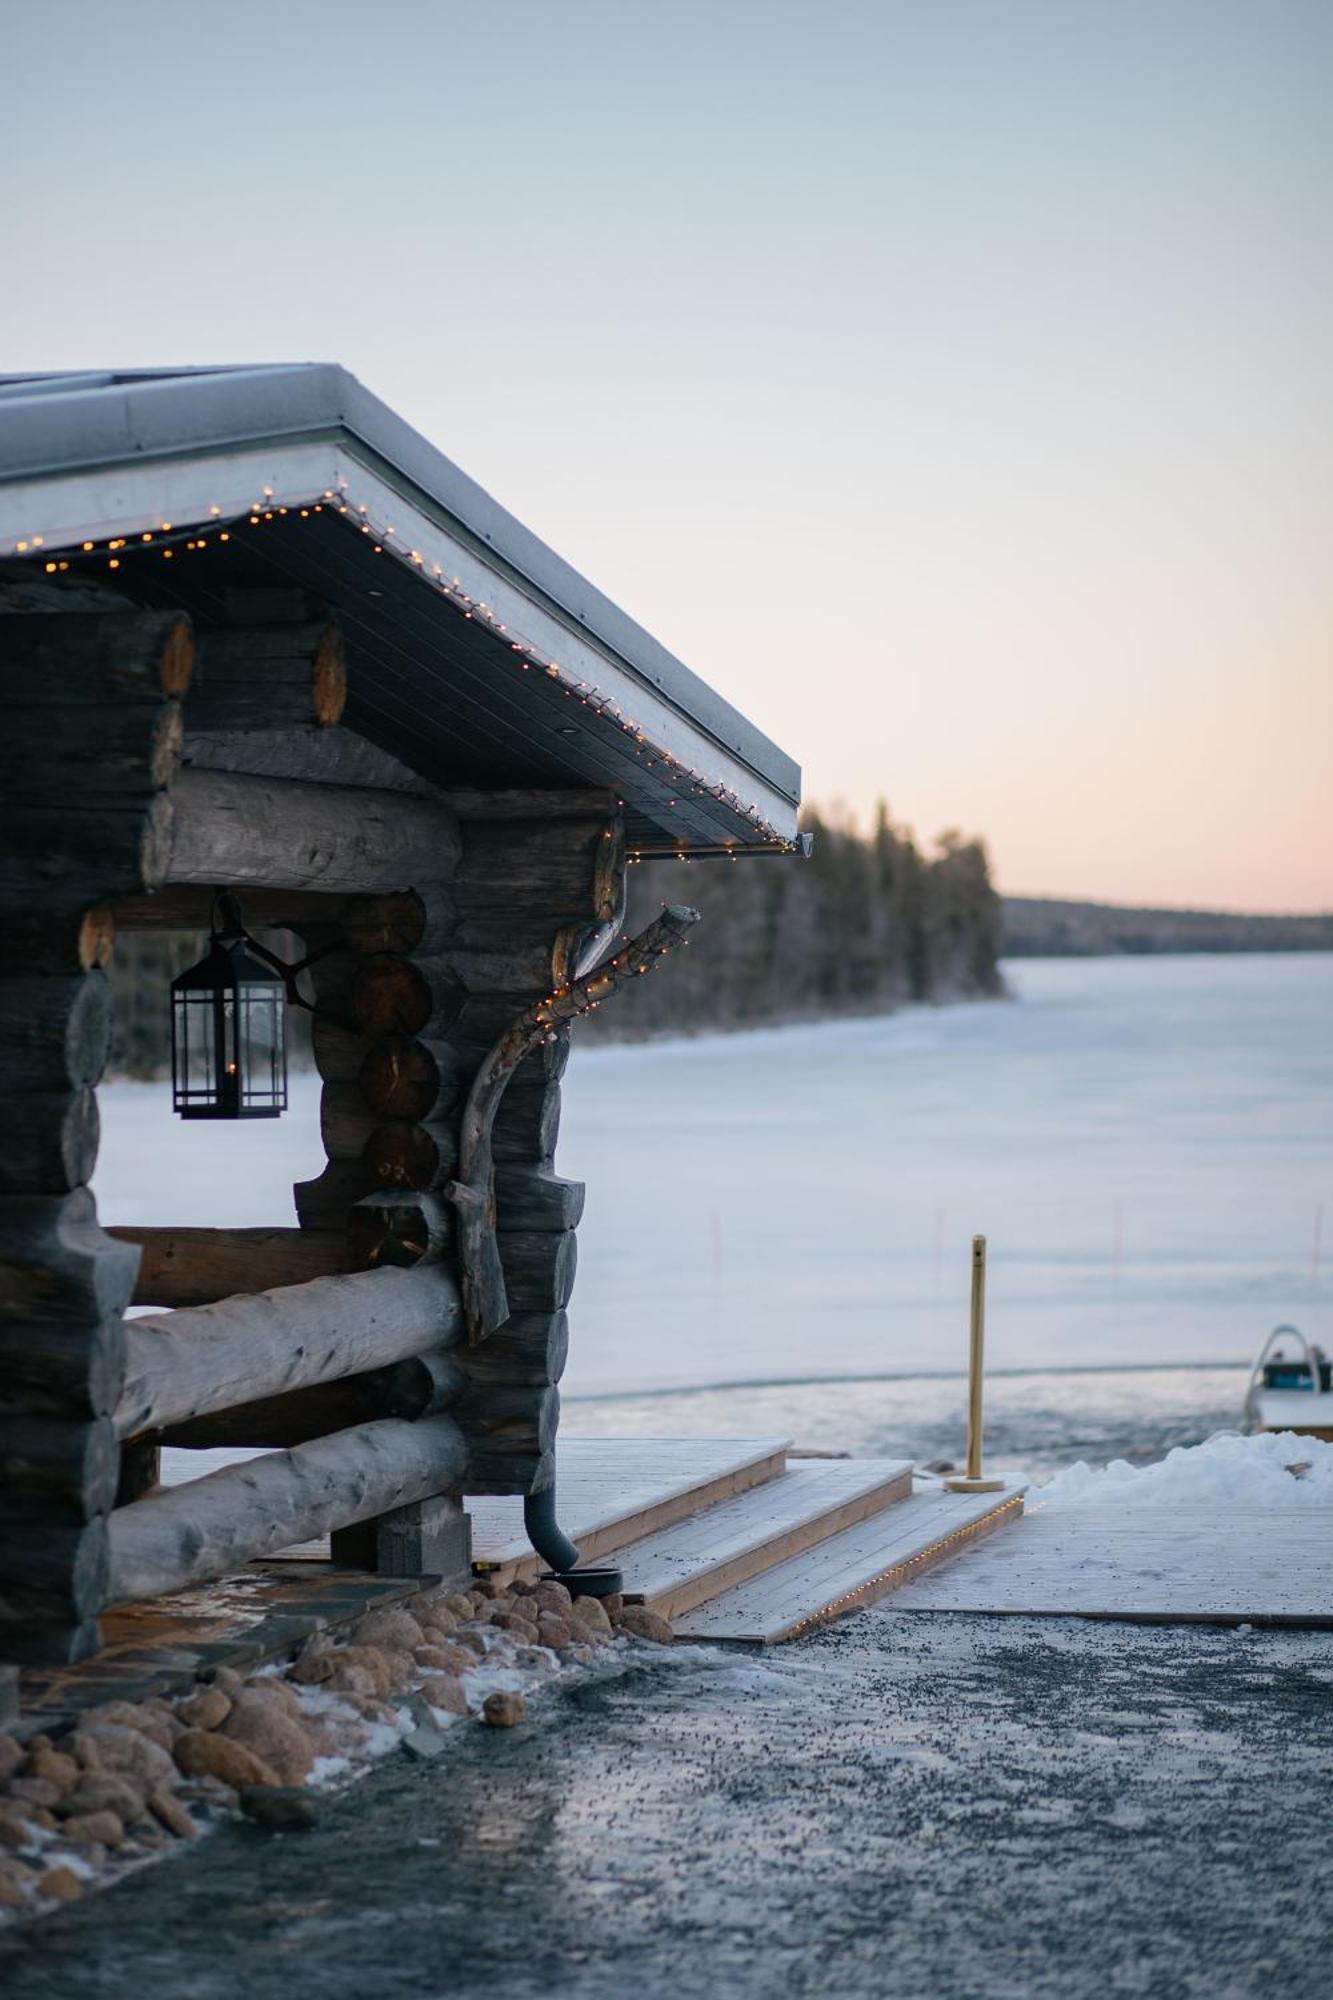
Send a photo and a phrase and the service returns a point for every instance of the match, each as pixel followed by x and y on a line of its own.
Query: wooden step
pixel 851 1569
pixel 610 1491
pixel 734 1540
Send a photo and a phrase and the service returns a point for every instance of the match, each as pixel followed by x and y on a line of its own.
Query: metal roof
pixel 483 656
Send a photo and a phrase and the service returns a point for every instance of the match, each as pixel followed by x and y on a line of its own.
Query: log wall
pixel 435 926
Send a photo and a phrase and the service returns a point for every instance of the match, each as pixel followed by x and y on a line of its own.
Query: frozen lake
pixel 1147 1143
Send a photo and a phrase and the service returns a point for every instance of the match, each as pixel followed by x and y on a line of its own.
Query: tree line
pixel 867 923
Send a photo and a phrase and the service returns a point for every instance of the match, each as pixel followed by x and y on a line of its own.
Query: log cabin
pixel 269 661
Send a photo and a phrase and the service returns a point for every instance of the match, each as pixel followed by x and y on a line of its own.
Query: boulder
pixel 59 1770
pixel 446 1658
pixel 553 1597
pixel 105 1791
pixel 131 1715
pixel 642 1623
pixel 553 1631
pixel 446 1691
pixel 174 1815
pixel 208 1709
pixel 103 1828
pixel 265 1725
pixel 115 1746
pixel 18 1885
pixel 393 1631
pixel 35 1791
pixel 316 1662
pixel 61 1884
pixel 589 1614
pixel 11 1756
pixel 503 1710
pixel 207 1753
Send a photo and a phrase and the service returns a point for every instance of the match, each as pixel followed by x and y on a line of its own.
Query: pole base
pixel 973 1485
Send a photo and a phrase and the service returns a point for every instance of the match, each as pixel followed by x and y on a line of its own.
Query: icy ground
pixel 907 1807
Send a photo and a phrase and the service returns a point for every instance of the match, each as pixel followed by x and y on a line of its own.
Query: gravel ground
pixel 906 1805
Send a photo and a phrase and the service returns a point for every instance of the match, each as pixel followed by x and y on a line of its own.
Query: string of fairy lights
pixel 171 543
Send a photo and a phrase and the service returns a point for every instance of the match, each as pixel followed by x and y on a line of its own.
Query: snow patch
pixel 1275 1469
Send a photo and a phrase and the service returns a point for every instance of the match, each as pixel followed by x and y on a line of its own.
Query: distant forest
pixel 870 922
pixel 1043 927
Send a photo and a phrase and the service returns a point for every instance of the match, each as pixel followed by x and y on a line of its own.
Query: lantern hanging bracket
pixel 228 927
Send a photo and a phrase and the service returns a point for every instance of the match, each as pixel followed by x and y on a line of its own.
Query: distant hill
pixel 1045 927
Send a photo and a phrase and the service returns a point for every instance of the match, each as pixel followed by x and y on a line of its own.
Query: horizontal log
pixel 394 995
pixel 63 1468
pixel 275 833
pixel 538 1269
pixel 58 1268
pixel 55 1034
pixel 57 937
pixel 399 1227
pixel 528 1197
pixel 534 867
pixel 49 854
pixel 346 1121
pixel 509 1464
pixel 513 967
pixel 204 1358
pixel 276 677
pixel 395 920
pixel 410 1389
pixel 212 1525
pixel 198 1267
pixel 402 1077
pixel 339 1051
pixel 50 1141
pixel 529 1349
pixel 102 755
pixel 52 1571
pixel 61 1370
pixel 327 1201
pixel 72 658
pixel 415 1157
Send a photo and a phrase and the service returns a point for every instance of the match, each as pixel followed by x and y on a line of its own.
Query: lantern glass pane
pixel 264 1066
pixel 196 1070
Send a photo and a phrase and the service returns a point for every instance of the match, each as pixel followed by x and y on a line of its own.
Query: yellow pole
pixel 973 1481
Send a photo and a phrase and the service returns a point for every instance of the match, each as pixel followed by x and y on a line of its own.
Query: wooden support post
pixel 199 1267
pixel 428 1538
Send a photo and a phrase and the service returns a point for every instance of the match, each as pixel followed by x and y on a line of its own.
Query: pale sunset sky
pixel 947 382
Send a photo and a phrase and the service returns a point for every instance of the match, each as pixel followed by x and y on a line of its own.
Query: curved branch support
pixel 485 1304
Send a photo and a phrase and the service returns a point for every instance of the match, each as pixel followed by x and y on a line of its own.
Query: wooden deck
pixel 1204 1565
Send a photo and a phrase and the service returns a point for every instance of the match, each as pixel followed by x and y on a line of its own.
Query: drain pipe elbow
pixel 544 1531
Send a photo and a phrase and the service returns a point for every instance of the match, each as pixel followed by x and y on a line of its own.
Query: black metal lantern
pixel 229 1027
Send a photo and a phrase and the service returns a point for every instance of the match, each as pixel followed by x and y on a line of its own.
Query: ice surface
pixel 1146 1142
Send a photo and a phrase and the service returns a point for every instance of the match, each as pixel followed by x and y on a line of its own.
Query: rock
pixel 472 1641
pixel 18 1884
pixel 208 1709
pixel 264 1725
pixel 280 1808
pixel 206 1753
pixel 59 1770
pixel 645 1624
pixel 355 1683
pixel 393 1631
pixel 553 1597
pixel 613 1606
pixel 11 1756
pixel 131 1715
pixel 16 1831
pixel 99 1791
pixel 589 1614
pixel 439 1623
pixel 446 1658
pixel 227 1679
pixel 402 1668
pixel 515 1621
pixel 423 1743
pixel 462 1604
pixel 503 1710
pixel 114 1746
pixel 488 1586
pixel 316 1662
pixel 446 1691
pixel 103 1827
pixel 61 1884
pixel 173 1815
pixel 554 1632
pixel 35 1791
pixel 534 1660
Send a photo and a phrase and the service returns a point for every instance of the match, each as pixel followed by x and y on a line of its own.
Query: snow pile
pixel 1277 1469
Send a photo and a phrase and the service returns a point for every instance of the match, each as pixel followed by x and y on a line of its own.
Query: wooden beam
pixel 50 1141
pixel 62 1468
pixel 55 1034
pixel 392 921
pixel 275 833
pixel 204 1358
pixel 69 659
pixel 198 1267
pixel 279 677
pixel 409 1389
pixel 212 1525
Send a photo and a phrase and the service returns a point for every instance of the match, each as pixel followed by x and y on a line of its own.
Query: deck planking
pixel 681 1566
pixel 851 1569
pixel 1208 1565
